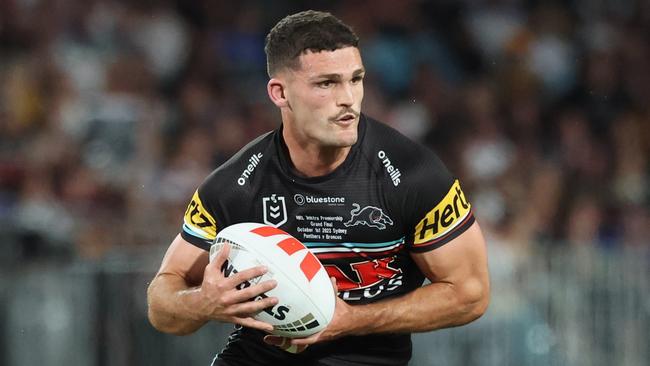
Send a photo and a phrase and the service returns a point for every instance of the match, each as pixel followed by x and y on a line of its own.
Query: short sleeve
pixel 438 210
pixel 199 225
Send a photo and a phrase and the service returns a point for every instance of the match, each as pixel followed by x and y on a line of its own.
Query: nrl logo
pixel 370 216
pixel 275 210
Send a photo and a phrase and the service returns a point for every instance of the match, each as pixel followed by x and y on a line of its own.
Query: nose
pixel 345 96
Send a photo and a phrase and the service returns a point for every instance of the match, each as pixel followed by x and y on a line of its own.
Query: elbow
pixel 164 324
pixel 475 298
pixel 164 327
pixel 152 312
pixel 156 321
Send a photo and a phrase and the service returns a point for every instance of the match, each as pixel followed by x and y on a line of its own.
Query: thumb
pixel 334 286
pixel 275 340
pixel 284 343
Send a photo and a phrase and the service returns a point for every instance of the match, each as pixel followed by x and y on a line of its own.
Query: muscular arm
pixel 458 294
pixel 174 289
pixel 188 291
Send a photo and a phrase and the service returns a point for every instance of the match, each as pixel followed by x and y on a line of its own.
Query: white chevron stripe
pixel 354 250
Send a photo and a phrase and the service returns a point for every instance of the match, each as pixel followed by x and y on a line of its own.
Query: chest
pixel 355 208
pixel 354 224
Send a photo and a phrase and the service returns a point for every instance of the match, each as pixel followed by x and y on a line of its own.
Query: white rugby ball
pixel 305 293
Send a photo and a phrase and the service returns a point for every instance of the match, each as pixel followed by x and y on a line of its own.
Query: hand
pixel 339 326
pixel 284 343
pixel 221 300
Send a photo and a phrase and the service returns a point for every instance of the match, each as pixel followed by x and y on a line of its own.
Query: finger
pixel 251 292
pixel 246 275
pixel 334 285
pixel 250 308
pixel 252 323
pixel 222 256
pixel 274 340
pixel 284 343
pixel 306 341
pixel 296 349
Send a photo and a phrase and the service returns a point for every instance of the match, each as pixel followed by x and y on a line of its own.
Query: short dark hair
pixel 305 31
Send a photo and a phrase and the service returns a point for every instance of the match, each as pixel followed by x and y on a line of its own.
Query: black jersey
pixel 389 197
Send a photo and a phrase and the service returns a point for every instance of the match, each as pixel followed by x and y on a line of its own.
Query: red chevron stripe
pixel 266 231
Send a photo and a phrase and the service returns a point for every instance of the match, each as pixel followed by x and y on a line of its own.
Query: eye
pixel 357 79
pixel 325 84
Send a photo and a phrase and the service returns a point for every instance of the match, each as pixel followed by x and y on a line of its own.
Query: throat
pixel 310 157
pixel 311 161
pixel 317 163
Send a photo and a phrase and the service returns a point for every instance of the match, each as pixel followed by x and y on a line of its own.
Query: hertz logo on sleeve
pixel 452 211
pixel 198 221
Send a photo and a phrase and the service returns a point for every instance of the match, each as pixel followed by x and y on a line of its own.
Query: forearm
pixel 434 306
pixel 171 307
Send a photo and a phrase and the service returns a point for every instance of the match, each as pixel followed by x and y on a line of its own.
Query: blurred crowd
pixel 113 111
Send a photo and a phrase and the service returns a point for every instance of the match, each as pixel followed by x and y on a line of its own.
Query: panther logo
pixel 370 216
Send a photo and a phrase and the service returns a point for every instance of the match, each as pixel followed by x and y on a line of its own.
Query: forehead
pixel 342 61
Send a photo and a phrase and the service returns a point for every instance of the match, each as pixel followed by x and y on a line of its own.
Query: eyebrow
pixel 356 73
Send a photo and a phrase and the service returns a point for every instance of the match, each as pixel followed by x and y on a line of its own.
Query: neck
pixel 310 160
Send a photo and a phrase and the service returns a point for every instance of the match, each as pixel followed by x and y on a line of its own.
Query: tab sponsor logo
pixel 253 162
pixel 452 210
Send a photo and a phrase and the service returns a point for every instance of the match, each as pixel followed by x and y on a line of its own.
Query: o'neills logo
pixel 253 161
pixel 390 168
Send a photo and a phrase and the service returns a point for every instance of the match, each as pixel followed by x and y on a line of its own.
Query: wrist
pixel 378 317
pixel 358 320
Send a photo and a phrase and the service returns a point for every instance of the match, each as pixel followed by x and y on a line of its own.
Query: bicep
pixel 185 260
pixel 461 262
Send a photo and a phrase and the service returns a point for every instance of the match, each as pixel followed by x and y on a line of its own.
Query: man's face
pixel 324 98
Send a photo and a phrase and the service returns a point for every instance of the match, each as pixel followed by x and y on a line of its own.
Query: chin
pixel 347 137
pixel 347 141
pixel 339 142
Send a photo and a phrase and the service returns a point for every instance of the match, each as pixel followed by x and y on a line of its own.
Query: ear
pixel 276 91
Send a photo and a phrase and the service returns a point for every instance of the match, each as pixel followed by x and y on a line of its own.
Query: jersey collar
pixel 287 167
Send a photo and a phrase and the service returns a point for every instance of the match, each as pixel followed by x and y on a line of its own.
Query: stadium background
pixel 111 113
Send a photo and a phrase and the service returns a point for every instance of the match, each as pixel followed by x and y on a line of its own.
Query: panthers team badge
pixel 275 210
pixel 370 216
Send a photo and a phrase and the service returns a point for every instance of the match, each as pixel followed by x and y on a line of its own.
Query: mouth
pixel 346 119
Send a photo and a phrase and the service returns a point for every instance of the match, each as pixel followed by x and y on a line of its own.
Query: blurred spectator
pixel 112 112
